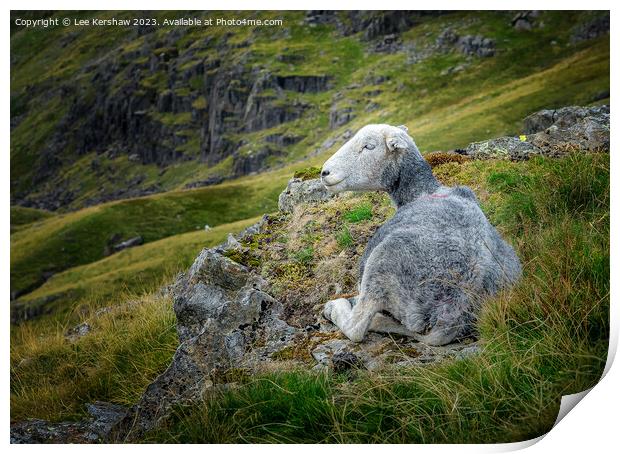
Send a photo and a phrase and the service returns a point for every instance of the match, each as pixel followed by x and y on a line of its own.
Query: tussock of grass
pixel 308 173
pixel 360 213
pixel 305 255
pixel 544 339
pixel 127 348
pixel 437 158
pixel 344 237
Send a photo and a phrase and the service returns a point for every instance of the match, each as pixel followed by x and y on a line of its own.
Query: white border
pixel 591 427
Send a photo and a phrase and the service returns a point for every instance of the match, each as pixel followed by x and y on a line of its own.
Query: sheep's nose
pixel 324 173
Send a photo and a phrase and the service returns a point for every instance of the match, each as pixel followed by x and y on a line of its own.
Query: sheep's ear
pixel 403 127
pixel 396 142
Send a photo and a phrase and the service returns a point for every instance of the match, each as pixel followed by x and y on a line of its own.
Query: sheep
pixel 426 271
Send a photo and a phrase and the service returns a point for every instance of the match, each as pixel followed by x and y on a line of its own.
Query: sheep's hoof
pixel 328 309
pixel 331 308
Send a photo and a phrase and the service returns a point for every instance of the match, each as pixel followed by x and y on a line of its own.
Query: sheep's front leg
pixel 353 322
pixel 382 324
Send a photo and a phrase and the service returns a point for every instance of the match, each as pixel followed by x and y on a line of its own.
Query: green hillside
pixel 419 83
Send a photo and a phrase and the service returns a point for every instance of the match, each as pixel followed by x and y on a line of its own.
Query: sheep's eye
pixel 368 146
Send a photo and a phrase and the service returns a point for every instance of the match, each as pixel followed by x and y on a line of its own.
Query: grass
pixel 344 237
pixel 79 238
pixel 305 255
pixel 130 343
pixel 138 269
pixel 360 213
pixel 126 349
pixel 546 338
pixel 308 173
pixel 22 217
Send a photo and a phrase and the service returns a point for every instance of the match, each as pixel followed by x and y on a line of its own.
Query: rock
pixel 254 228
pixel 302 191
pixel 345 361
pixel 340 116
pixel 283 140
pixel 96 429
pixel 476 45
pixel 564 117
pixel 217 303
pixel 231 243
pixel 447 37
pixel 389 44
pixel 376 24
pixel 24 310
pixel 78 332
pixel 314 18
pixel 304 84
pixel 207 182
pixel 551 133
pixel 522 24
pixel 524 20
pixel 252 162
pixel 597 26
pixel 511 148
pixel 470 350
pixel 454 69
pixel 104 416
pixel 132 242
pixel 469 45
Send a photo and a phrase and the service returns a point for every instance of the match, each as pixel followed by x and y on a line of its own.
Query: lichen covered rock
pixel 302 191
pixel 551 133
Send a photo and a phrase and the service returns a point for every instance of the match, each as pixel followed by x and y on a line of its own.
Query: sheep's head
pixel 369 160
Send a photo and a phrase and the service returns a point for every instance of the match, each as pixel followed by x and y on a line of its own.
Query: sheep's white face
pixel 360 163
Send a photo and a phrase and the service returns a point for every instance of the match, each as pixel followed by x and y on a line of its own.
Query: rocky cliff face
pixel 164 98
pixel 150 103
pixel 97 116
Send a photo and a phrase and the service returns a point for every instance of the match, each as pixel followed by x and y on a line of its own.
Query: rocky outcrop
pixel 551 133
pixel 225 321
pixel 152 102
pixel 304 84
pixel 595 27
pixel 565 117
pixel 468 44
pixel 230 327
pixel 375 24
pixel 512 148
pixel 339 116
pixel 241 101
pixel 476 45
pixel 525 20
pixel 300 191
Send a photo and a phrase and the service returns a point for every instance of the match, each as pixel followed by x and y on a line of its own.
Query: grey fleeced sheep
pixel 426 271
